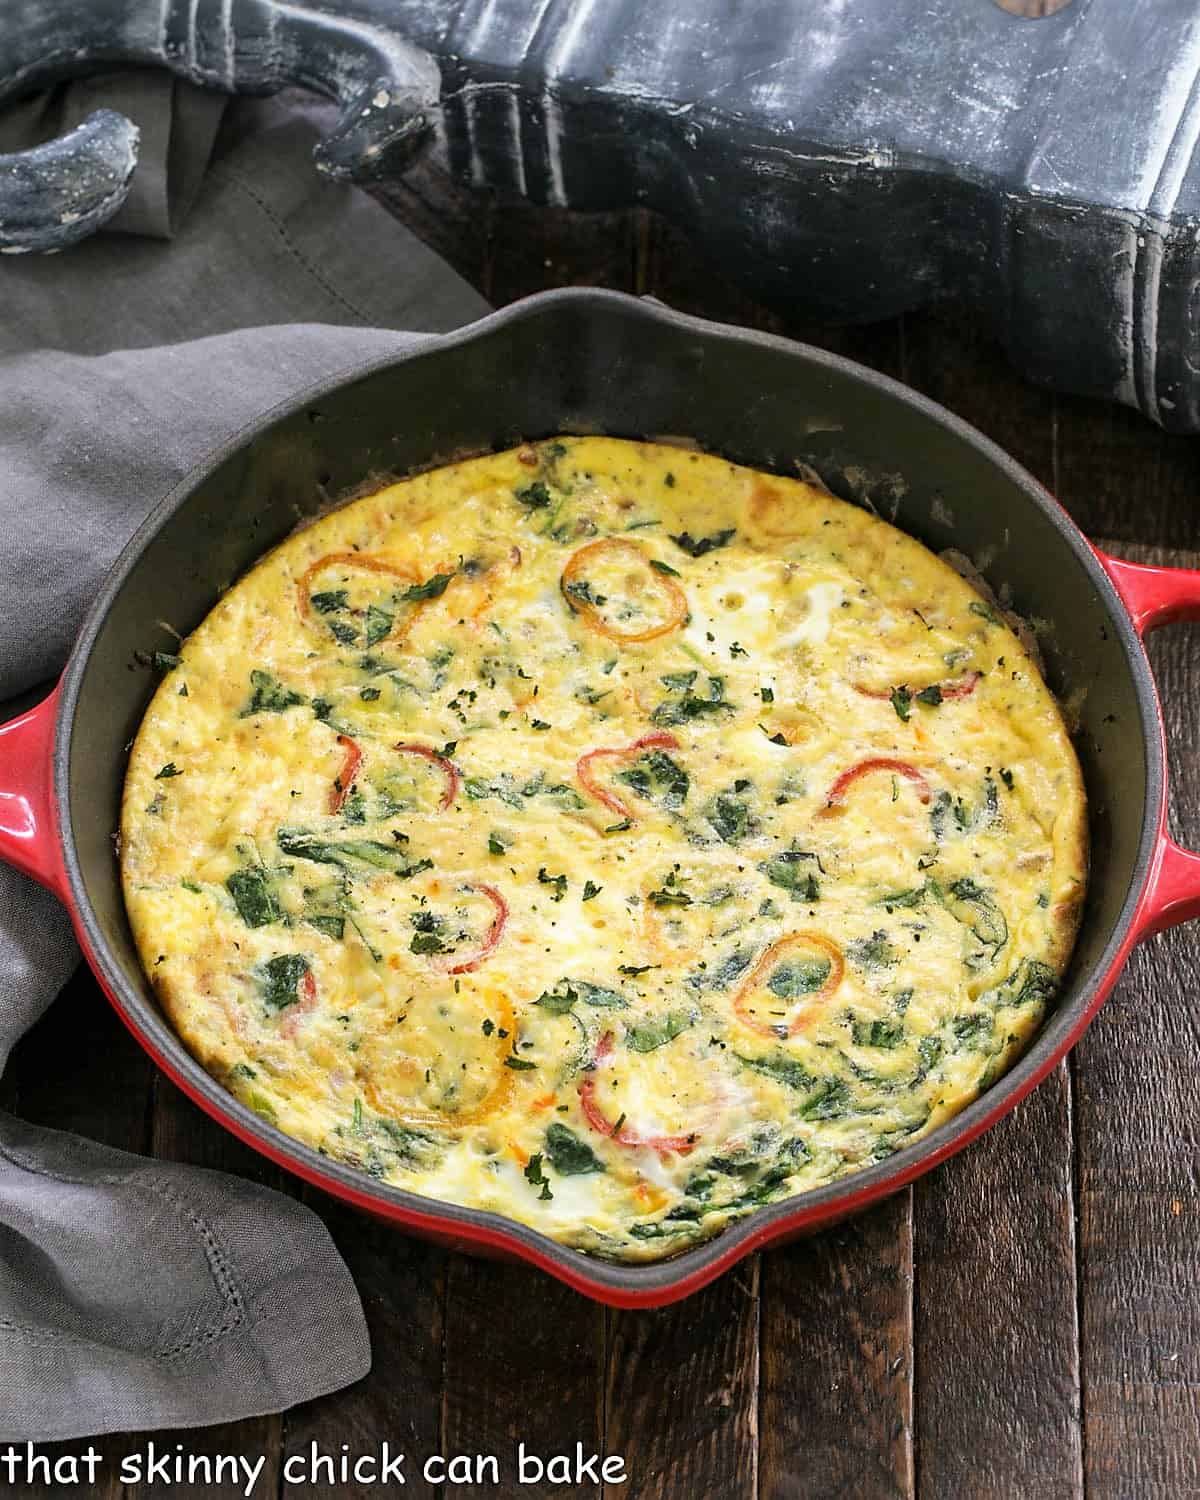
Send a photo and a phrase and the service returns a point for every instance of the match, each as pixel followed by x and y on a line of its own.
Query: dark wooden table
pixel 1023 1322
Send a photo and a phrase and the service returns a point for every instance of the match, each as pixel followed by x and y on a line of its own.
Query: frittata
pixel 605 835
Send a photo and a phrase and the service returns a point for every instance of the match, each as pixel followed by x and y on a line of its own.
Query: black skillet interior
pixel 588 362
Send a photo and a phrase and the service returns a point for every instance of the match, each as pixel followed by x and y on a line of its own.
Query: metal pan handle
pixel 29 837
pixel 1157 596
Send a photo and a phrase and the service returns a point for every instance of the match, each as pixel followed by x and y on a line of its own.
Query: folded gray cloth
pixel 138 1294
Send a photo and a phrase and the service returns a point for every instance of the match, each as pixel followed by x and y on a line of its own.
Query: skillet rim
pixel 656 1282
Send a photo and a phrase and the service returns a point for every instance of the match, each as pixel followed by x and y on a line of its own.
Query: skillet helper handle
pixel 28 826
pixel 1157 596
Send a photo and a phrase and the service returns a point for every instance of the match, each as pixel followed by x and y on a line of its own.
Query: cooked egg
pixel 604 835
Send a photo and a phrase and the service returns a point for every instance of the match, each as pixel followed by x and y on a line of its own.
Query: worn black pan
pixel 587 361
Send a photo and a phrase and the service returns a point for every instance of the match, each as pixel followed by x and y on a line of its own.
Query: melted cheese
pixel 812 894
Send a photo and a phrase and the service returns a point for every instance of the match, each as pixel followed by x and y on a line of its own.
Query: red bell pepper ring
pixel 344 782
pixel 837 972
pixel 306 989
pixel 491 938
pixel 618 1130
pixel 962 687
pixel 658 739
pixel 447 767
pixel 836 795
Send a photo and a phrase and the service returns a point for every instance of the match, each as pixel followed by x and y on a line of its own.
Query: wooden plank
pixel 524 1360
pixel 682 1394
pixel 835 1411
pixel 1123 478
pixel 1139 1201
pixel 996 1328
pixel 996 1333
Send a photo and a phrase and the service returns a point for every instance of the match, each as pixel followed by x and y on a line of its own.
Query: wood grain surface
pixel 1024 1322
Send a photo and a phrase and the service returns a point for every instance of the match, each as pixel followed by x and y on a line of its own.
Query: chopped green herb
pixel 170 769
pixel 902 703
pixel 559 882
pixel 590 890
pixel 533 496
pixel 701 546
pixel 930 696
pixel 537 1178
pixel 498 842
pixel 432 588
pixel 518 1064
pixel 662 567
pixel 165 661
pixel 767 694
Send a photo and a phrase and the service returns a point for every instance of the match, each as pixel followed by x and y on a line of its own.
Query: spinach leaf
pixel 566 992
pixel 968 903
pixel 278 979
pixel 780 1067
pixel 649 1036
pixel 1039 983
pixel 794 977
pixel 880 1033
pixel 730 816
pixel 790 873
pixel 253 896
pixel 830 1101
pixel 379 624
pixel 330 601
pixel 268 695
pixel 658 778
pixel 569 1156
pixel 330 923
pixel 674 711
pixel 874 952
pixel 346 854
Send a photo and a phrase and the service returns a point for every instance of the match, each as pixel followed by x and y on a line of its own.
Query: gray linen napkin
pixel 139 1294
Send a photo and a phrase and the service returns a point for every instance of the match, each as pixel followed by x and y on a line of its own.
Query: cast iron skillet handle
pixel 65 190
pixel 388 89
pixel 28 827
pixel 1162 596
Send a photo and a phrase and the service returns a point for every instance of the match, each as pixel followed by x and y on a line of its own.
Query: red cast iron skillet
pixel 590 361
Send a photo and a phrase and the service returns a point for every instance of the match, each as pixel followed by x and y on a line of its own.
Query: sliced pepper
pixel 583 603
pixel 811 940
